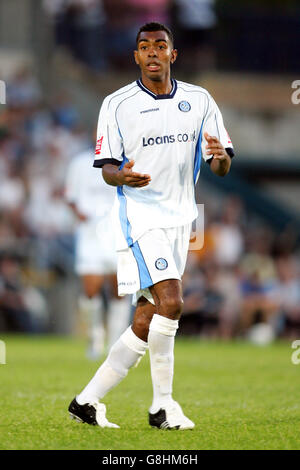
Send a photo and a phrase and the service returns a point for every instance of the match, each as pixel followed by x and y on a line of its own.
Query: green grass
pixel 239 395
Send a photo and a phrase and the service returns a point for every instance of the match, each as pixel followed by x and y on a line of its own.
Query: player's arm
pixel 221 161
pixel 80 216
pixel 109 152
pixel 217 148
pixel 115 177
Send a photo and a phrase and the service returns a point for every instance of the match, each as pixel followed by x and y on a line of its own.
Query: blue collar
pixel 158 97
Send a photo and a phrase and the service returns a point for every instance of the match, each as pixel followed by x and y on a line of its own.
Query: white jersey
pixel 163 134
pixel 86 188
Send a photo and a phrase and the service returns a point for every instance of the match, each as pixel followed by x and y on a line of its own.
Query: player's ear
pixel 174 54
pixel 136 57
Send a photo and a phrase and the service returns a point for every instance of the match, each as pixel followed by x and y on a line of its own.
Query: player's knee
pixel 172 307
pixel 141 325
pixel 91 292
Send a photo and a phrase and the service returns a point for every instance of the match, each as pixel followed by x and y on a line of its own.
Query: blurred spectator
pixel 287 295
pixel 64 113
pixel 101 33
pixel 23 90
pixel 7 233
pixel 213 299
pixel 194 21
pixel 121 33
pixel 37 140
pixel 227 284
pixel 212 295
pixel 146 11
pixel 258 280
pixel 227 233
pixel 12 191
pixel 21 309
pixel 80 26
pixel 193 285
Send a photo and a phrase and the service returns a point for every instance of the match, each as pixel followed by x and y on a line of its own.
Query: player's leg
pixel 118 312
pixel 164 411
pixel 160 255
pixel 168 300
pixel 93 306
pixel 125 353
pixel 88 267
pixel 118 307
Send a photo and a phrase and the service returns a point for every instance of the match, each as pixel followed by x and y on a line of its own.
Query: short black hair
pixel 153 26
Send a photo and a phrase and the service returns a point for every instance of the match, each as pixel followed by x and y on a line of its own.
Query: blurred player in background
pixel 91 200
pixel 152 135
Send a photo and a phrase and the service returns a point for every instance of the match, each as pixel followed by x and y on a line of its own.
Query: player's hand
pixel 82 217
pixel 130 178
pixel 215 148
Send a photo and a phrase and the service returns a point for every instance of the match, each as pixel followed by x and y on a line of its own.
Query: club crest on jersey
pixel 184 106
pixel 161 264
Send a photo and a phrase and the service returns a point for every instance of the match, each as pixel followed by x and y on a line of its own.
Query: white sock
pixel 118 318
pixel 122 356
pixel 161 338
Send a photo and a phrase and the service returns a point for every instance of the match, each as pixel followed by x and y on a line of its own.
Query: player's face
pixel 155 54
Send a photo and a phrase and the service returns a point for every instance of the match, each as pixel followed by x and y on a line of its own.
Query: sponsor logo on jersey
pixel 98 146
pixel 169 139
pixel 149 110
pixel 161 264
pixel 184 106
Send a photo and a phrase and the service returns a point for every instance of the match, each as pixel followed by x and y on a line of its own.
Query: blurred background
pixel 59 59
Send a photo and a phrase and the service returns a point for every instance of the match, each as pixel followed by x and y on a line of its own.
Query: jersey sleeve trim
pixel 230 151
pixel 103 161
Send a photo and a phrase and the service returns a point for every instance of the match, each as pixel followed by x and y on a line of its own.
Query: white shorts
pixel 95 248
pixel 157 255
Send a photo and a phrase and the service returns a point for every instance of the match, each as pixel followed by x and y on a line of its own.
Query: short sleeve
pixel 109 145
pixel 213 124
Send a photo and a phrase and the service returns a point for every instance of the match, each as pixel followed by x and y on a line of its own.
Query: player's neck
pixel 158 87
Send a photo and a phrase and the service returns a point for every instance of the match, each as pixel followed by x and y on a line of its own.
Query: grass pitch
pixel 239 395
